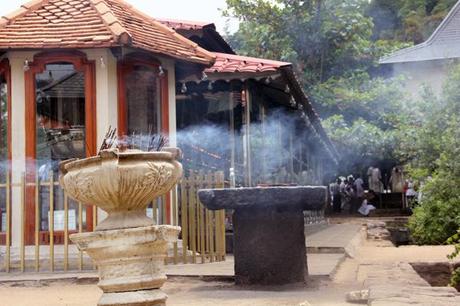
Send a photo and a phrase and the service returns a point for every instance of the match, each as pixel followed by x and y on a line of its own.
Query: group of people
pixel 348 194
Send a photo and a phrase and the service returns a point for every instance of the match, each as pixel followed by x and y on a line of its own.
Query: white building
pixel 69 69
pixel 428 63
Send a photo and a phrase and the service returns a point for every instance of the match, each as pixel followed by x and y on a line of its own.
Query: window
pixel 143 97
pixel 60 124
pixel 143 100
pixel 143 106
pixel 60 132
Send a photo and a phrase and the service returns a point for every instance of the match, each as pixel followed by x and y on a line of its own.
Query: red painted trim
pixel 164 104
pixel 123 68
pixel 122 120
pixel 80 62
pixel 126 66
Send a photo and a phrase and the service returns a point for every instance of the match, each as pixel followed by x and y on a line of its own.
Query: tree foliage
pixel 336 45
pixel 437 141
pixel 407 20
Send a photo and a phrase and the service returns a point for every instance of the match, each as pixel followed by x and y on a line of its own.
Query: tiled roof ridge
pixel 120 34
pixel 166 29
pixel 21 11
pixel 94 23
pixel 250 59
pixel 171 22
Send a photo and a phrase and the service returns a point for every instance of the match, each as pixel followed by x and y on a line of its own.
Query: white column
pixel 170 67
pixel 106 91
pixel 18 137
pixel 106 96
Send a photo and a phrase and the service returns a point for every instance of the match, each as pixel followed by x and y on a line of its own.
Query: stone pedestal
pixel 269 233
pixel 269 246
pixel 130 263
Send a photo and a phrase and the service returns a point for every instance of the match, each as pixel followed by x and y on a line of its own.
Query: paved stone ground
pixel 383 269
pixel 399 284
pixel 326 251
pixel 323 265
pixel 386 273
pixel 333 238
pixel 78 289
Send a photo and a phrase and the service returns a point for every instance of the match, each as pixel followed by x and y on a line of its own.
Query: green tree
pixel 330 42
pixel 407 20
pixel 437 142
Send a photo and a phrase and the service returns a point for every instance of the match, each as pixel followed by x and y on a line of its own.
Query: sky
pixel 196 10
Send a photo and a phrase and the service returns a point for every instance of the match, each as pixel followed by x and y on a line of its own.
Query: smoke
pixel 278 145
pixel 276 149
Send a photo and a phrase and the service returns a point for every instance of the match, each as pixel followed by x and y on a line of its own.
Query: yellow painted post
pixel 197 213
pixel 164 219
pixel 184 218
pixel 51 220
pixel 155 210
pixel 216 229
pixel 94 207
pixel 209 184
pixel 211 235
pixel 174 221
pixel 202 216
pixel 8 223
pixel 202 232
pixel 23 220
pixel 192 204
pixel 80 230
pixel 221 184
pixel 66 232
pixel 219 241
pixel 223 237
pixel 37 223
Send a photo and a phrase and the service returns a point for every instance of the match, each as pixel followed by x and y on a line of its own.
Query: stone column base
pixel 130 263
pixel 154 297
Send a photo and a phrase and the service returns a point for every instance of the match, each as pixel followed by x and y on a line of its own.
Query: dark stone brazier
pixel 269 237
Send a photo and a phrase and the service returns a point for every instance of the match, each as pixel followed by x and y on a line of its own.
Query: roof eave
pixel 301 98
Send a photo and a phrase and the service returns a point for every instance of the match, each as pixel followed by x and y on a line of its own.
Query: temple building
pixel 69 69
pixel 427 64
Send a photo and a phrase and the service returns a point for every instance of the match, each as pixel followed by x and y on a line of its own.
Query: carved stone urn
pixel 128 248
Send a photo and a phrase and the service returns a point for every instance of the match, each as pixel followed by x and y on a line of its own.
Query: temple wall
pixel 106 108
pixel 420 74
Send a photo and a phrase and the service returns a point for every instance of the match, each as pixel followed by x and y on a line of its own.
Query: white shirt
pixel 359 187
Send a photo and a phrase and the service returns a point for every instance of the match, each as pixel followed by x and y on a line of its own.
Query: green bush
pixel 438 145
pixel 455 240
pixel 435 221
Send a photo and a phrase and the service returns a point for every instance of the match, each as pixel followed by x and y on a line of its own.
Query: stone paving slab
pixel 331 240
pixel 387 295
pixel 399 284
pixel 333 236
pixel 319 265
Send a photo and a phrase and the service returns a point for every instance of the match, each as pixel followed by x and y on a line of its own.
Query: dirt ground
pixel 185 291
pixel 196 292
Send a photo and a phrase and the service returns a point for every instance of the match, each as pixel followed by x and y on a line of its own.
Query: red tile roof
pixel 184 24
pixel 230 63
pixel 93 24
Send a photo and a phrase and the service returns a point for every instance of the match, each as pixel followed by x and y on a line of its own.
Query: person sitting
pixel 366 207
